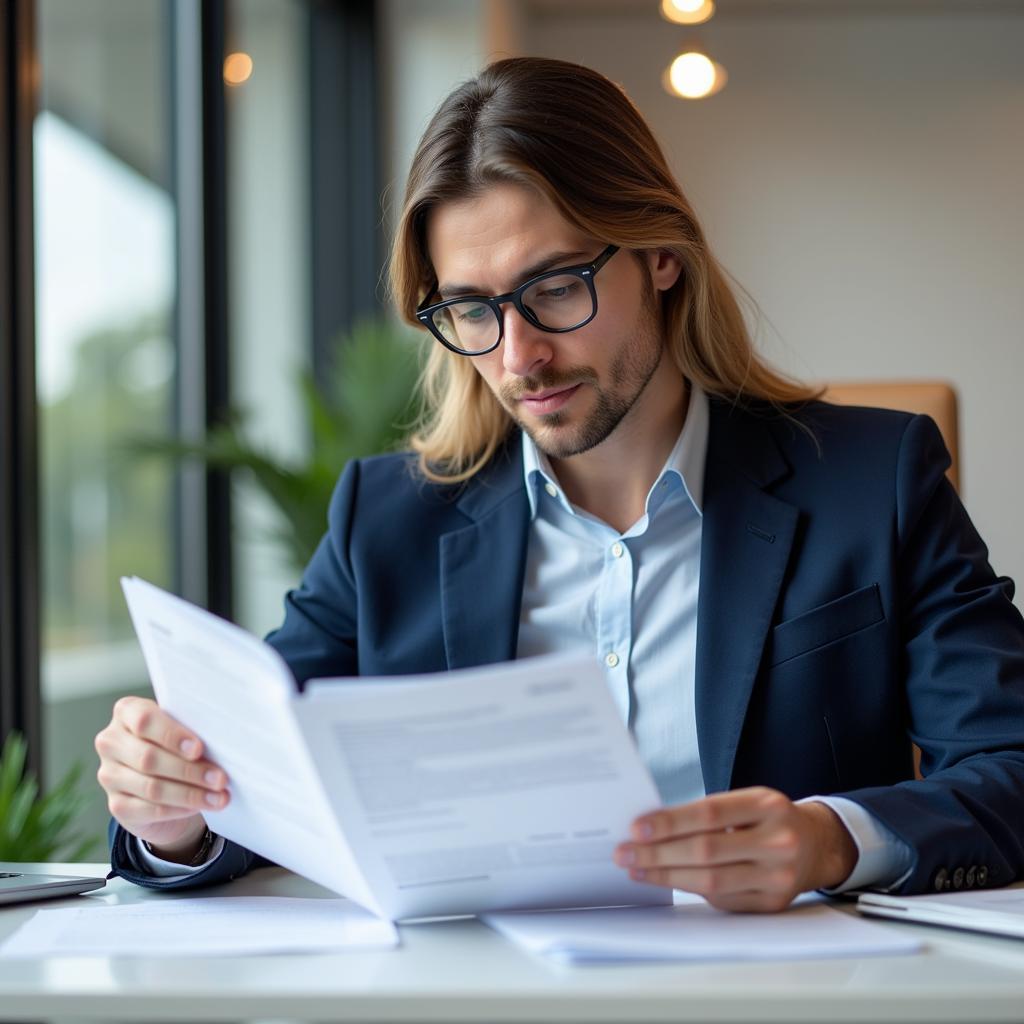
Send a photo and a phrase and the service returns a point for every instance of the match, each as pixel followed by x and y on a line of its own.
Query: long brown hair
pixel 576 137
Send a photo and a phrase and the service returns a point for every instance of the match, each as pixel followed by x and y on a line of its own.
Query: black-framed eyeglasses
pixel 556 301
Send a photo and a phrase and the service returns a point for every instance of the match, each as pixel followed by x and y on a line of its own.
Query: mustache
pixel 513 391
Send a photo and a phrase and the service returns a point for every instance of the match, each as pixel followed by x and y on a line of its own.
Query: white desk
pixel 461 971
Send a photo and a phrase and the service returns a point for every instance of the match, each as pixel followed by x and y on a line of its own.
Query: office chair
pixel 935 398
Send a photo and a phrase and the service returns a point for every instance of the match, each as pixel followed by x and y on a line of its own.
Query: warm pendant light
pixel 687 12
pixel 237 68
pixel 694 76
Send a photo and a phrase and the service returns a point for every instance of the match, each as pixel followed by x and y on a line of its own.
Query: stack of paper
pixel 696 931
pixel 214 926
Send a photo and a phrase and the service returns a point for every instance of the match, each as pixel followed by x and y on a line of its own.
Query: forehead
pixel 489 239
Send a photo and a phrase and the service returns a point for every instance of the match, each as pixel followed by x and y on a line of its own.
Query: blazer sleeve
pixel 317 638
pixel 234 860
pixel 963 662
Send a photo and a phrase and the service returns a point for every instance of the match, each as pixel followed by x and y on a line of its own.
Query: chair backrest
pixel 935 398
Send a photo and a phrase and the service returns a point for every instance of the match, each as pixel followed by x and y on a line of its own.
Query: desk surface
pixel 461 971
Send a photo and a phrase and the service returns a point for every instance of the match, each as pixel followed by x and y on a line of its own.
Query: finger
pixel 144 718
pixel 728 880
pixel 149 759
pixel 136 814
pixel 706 849
pixel 119 778
pixel 735 809
pixel 753 902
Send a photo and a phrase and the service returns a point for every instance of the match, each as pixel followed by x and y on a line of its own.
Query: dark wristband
pixel 199 857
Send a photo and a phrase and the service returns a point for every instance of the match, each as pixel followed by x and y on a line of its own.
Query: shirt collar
pixel 685 461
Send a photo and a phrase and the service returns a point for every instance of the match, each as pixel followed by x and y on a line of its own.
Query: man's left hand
pixel 748 849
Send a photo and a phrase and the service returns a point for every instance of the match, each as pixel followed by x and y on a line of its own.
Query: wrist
pixel 836 852
pixel 189 851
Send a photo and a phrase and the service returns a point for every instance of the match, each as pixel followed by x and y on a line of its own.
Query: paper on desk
pixel 1000 911
pixel 504 787
pixel 697 931
pixel 216 926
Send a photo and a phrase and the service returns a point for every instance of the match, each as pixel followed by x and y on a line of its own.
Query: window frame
pixel 20 706
pixel 346 219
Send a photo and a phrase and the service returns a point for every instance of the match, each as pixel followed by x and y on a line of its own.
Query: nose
pixel 525 348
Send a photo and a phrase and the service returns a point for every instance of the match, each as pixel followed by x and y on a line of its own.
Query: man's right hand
pixel 156 778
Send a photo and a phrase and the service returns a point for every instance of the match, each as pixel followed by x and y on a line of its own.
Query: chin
pixel 557 439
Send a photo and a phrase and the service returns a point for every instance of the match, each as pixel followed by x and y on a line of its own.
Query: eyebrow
pixel 556 259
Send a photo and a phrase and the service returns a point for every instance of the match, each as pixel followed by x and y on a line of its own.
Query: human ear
pixel 664 267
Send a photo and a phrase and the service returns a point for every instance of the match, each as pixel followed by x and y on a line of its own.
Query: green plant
pixel 33 827
pixel 364 407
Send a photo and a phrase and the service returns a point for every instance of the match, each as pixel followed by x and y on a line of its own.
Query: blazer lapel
pixel 745 547
pixel 482 565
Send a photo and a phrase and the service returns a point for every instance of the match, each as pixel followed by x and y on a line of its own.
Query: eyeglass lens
pixel 559 302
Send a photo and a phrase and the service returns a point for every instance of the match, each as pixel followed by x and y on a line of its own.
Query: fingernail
pixel 626 857
pixel 189 747
pixel 638 874
pixel 212 778
pixel 214 799
pixel 646 830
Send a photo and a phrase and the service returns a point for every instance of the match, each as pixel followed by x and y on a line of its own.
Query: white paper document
pixel 214 926
pixel 697 931
pixel 999 911
pixel 500 788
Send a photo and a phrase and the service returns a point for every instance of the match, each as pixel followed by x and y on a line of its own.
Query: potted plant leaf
pixel 37 827
pixel 365 406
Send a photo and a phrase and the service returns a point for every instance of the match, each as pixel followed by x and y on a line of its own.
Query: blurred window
pixel 105 224
pixel 267 158
pixel 164 252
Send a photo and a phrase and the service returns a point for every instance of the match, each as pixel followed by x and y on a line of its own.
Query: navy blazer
pixel 846 608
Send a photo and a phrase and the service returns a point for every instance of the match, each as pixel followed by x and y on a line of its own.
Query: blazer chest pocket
pixel 823 625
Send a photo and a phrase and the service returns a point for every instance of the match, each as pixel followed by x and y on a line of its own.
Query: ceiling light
pixel 237 68
pixel 693 76
pixel 687 12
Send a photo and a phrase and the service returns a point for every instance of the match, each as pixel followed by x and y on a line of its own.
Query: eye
pixel 559 290
pixel 472 315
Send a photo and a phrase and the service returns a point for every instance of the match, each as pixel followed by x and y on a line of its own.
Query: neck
pixel 613 479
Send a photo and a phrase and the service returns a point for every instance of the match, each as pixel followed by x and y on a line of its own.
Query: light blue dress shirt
pixel 631 599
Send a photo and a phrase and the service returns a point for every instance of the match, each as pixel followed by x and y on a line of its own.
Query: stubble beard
pixel 630 373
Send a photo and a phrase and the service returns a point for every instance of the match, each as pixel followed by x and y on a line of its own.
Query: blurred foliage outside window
pixel 103 516
pixel 365 406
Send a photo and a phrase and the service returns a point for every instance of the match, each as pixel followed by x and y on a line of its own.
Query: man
pixel 783 592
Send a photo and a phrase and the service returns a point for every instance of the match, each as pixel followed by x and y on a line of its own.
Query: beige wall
pixel 860 175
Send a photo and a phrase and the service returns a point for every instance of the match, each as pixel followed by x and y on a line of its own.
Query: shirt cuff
pixel 146 861
pixel 884 860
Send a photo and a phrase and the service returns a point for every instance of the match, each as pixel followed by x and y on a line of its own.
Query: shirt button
pixel 617 549
pixel 611 660
pixel 551 489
